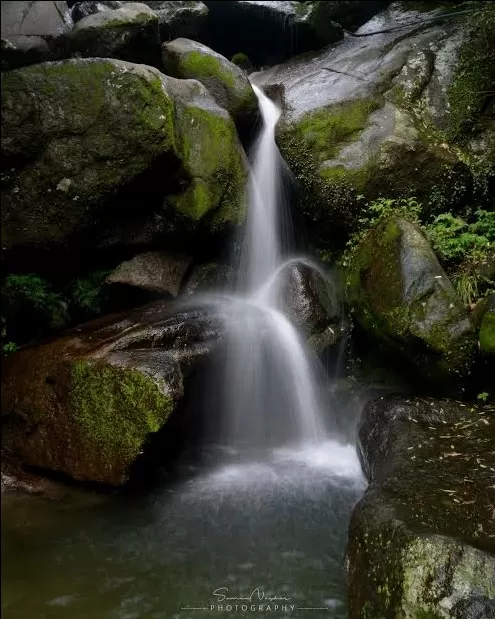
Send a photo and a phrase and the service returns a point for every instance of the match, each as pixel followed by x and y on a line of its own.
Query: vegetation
pixel 464 247
pixel 473 86
pixel 32 308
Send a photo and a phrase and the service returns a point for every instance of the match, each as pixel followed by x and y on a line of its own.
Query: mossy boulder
pixel 421 541
pixel 226 81
pixel 86 404
pixel 80 10
pixel 77 134
pixel 401 296
pixel 128 33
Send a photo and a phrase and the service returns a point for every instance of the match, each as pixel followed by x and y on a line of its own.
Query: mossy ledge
pixel 115 409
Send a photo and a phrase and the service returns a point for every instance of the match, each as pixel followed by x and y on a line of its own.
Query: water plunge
pixel 270 395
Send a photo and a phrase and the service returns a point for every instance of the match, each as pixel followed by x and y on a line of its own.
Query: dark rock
pixel 129 33
pixel 267 32
pixel 32 32
pixel 209 277
pixel 83 9
pixel 421 541
pixel 154 271
pixel 180 18
pixel 86 403
pixel 400 294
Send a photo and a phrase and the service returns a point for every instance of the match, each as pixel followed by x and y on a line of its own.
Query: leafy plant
pixel 88 294
pixel 453 238
pixel 483 396
pixel 9 348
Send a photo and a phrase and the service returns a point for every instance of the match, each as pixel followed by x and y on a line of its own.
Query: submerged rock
pixel 86 403
pixel 421 541
pixel 128 33
pixel 155 271
pixel 32 32
pixel 77 133
pixel 400 294
pixel 226 82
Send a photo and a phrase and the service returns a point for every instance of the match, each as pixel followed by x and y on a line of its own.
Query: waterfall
pixel 270 396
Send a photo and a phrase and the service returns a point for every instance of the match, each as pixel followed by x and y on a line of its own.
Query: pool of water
pixel 234 526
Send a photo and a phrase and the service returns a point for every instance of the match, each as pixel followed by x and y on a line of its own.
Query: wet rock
pixel 86 404
pixel 209 277
pixel 77 134
pixel 154 271
pixel 421 541
pixel 359 119
pixel 128 33
pixel 180 18
pixel 400 294
pixel 226 82
pixel 32 31
pixel 84 9
pixel 312 303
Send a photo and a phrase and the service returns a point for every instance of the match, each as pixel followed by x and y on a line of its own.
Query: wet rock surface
pixel 421 541
pixel 86 403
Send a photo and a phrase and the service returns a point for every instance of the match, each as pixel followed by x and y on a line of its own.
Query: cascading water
pixel 266 520
pixel 270 395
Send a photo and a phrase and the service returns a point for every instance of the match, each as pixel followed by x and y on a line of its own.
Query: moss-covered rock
pixel 421 540
pixel 227 83
pixel 76 134
pixel 128 33
pixel 487 331
pixel 87 403
pixel 400 294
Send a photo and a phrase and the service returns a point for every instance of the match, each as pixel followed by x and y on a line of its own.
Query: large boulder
pixel 421 541
pixel 128 33
pixel 400 294
pixel 86 403
pixel 369 117
pixel 226 82
pixel 32 32
pixel 78 133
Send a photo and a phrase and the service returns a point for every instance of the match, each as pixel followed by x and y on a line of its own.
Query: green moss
pixel 327 129
pixel 212 157
pixel 473 82
pixel 487 334
pixel 199 65
pixel 115 409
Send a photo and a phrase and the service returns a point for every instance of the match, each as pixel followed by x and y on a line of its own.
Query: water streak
pixel 270 395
